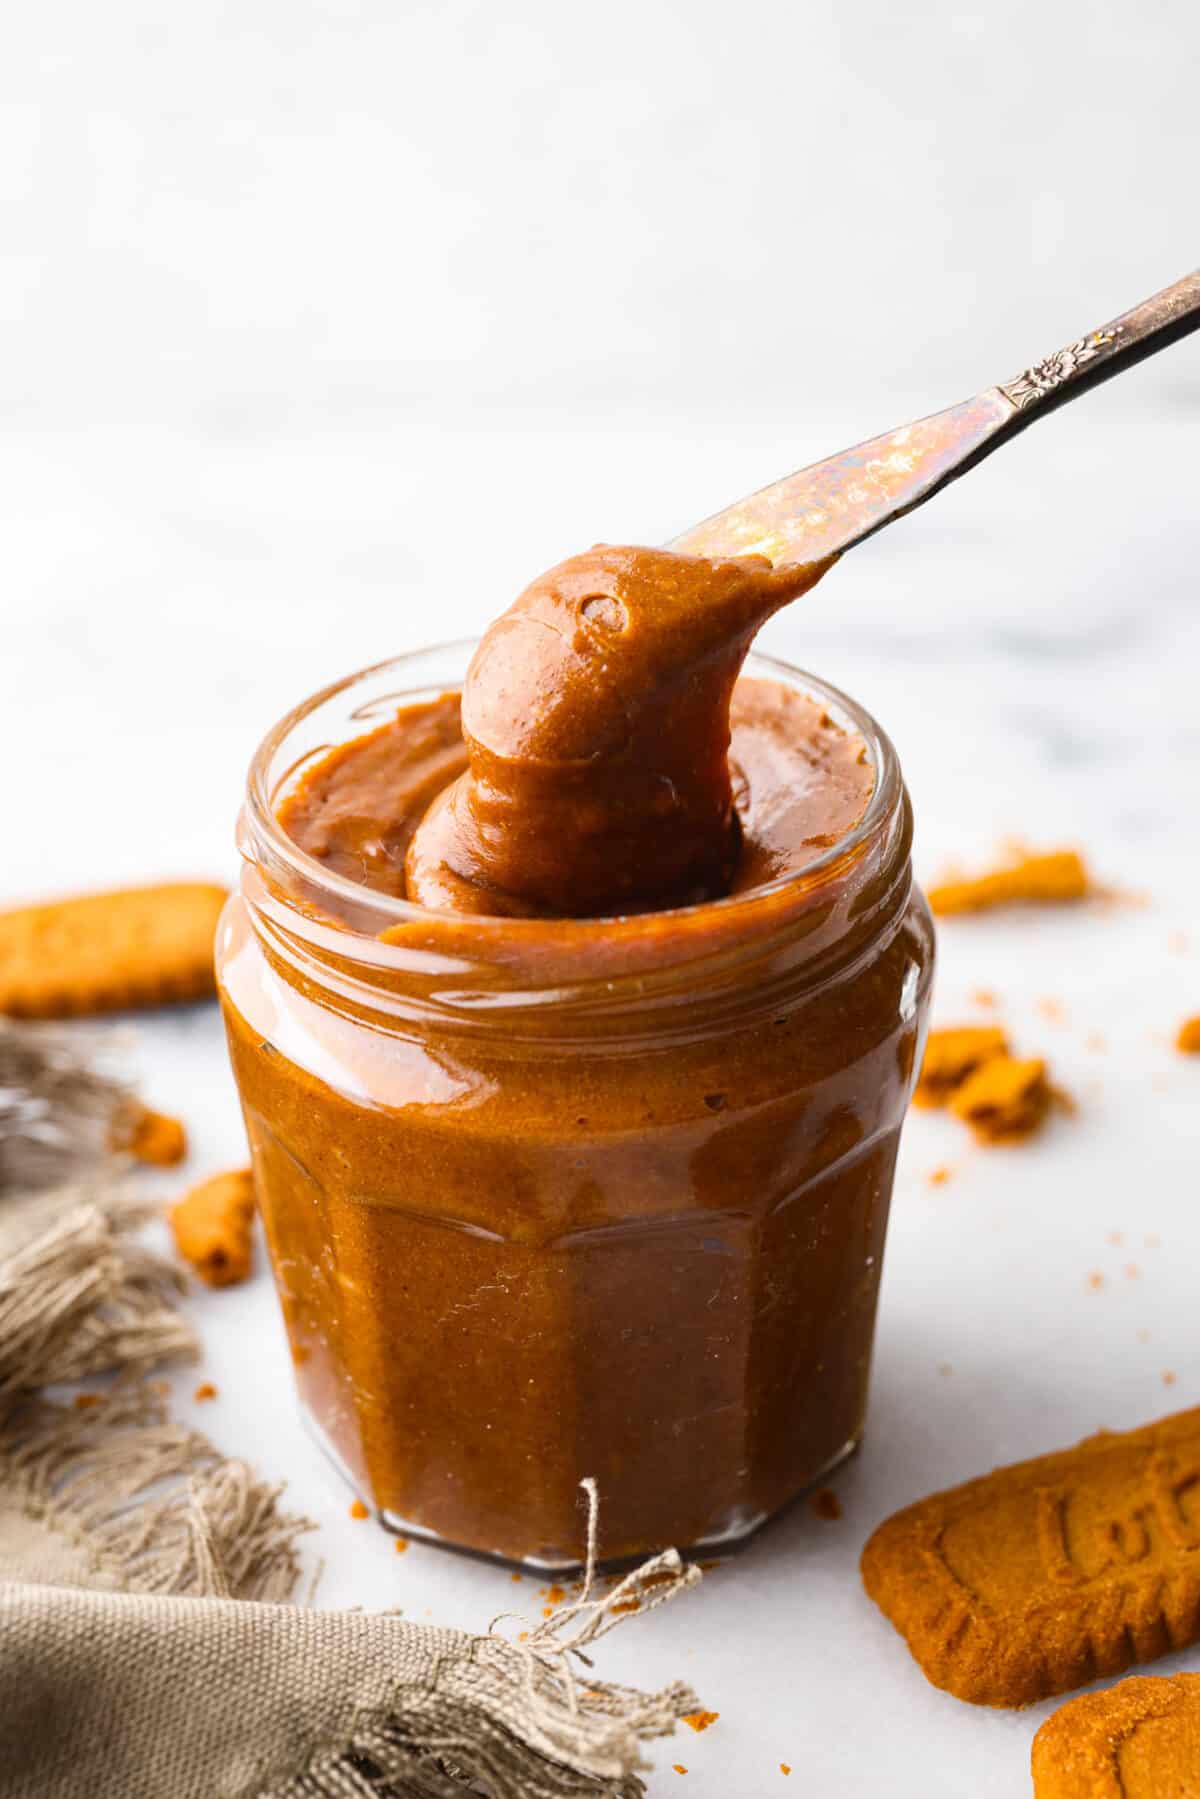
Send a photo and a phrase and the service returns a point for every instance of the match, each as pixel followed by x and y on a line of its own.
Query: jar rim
pixel 261 797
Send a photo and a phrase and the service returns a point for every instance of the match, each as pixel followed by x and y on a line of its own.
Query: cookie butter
pixel 574 1001
pixel 596 720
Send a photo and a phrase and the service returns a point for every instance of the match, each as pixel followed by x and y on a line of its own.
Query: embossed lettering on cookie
pixel 1044 1575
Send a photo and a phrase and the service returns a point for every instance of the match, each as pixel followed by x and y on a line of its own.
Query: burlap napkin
pixel 146 1651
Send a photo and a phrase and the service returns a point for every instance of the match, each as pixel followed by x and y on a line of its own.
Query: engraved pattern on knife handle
pixel 1036 383
pixel 1158 321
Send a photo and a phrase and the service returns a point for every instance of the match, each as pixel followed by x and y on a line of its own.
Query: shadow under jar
pixel 556 1198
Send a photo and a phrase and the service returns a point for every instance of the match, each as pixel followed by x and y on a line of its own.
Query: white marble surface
pixel 319 360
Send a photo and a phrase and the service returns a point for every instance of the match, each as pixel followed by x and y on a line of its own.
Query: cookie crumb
pixel 401 1545
pixel 205 1390
pixel 1188 1039
pixel 358 1509
pixel 1095 1281
pixel 937 1177
pixel 825 1504
pixel 1169 1378
pixel 700 1720
pixel 785 1767
pixel 679 1767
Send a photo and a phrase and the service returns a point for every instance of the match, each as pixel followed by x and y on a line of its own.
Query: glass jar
pixel 550 1199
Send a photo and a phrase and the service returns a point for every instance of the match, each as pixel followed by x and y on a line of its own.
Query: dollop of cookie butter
pixel 596 721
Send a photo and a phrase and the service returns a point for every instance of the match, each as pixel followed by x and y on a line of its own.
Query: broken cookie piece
pixel 951 1056
pixel 151 1137
pixel 1054 877
pixel 213 1228
pixel 1004 1100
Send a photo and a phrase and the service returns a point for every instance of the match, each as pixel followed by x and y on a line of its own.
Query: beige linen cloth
pixel 146 1649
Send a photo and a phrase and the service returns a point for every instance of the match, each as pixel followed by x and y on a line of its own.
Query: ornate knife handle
pixel 1116 346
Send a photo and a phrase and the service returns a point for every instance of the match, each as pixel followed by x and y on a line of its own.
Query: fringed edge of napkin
pixel 152 1506
pixel 515 1719
pixel 82 1296
pixel 59 1104
pixel 149 1505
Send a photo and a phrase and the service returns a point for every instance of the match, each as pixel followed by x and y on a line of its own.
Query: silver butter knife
pixel 833 505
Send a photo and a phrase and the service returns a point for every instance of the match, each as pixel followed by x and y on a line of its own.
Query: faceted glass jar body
pixel 551 1199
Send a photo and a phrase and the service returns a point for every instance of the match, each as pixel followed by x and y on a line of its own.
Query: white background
pixel 326 327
